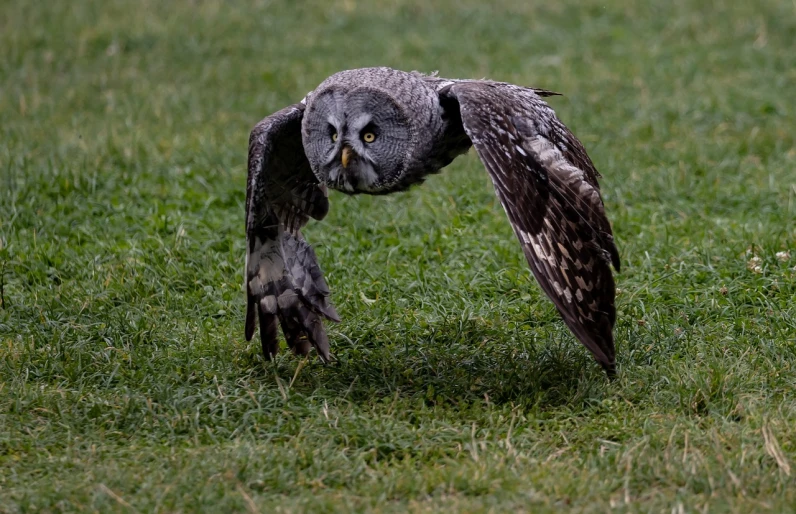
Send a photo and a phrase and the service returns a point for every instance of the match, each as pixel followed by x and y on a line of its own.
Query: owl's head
pixel 357 140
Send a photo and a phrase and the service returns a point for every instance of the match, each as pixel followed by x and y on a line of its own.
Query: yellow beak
pixel 347 153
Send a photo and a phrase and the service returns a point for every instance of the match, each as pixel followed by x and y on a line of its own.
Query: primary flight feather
pixel 380 130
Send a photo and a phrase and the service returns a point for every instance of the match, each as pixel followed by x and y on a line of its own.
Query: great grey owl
pixel 380 130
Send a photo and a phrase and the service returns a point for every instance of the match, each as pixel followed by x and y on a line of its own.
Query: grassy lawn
pixel 125 382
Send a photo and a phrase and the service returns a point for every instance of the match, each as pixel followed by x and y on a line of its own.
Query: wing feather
pixel 284 283
pixel 548 187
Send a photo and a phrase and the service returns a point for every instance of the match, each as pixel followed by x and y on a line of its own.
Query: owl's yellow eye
pixel 334 136
pixel 368 137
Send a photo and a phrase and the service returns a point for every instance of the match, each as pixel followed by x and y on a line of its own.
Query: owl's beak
pixel 347 153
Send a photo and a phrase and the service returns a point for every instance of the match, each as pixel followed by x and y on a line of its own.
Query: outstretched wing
pixel 548 187
pixel 283 281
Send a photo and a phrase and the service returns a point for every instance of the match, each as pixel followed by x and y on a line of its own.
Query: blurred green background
pixel 125 382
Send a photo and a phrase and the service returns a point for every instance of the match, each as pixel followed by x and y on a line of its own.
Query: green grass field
pixel 125 382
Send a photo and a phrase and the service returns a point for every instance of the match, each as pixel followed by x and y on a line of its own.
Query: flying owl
pixel 380 130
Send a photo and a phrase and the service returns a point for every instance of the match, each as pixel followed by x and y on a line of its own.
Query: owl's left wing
pixel 548 187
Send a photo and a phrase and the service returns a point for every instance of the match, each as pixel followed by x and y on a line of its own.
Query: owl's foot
pixel 297 300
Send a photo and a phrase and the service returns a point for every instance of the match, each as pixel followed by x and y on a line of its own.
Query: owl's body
pixel 378 131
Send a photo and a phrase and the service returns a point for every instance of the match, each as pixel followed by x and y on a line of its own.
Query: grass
pixel 125 383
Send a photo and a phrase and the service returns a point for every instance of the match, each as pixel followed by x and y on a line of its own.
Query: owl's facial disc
pixel 356 141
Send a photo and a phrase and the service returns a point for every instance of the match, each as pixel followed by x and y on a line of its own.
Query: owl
pixel 380 130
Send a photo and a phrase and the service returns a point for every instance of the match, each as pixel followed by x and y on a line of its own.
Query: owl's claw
pixel 304 329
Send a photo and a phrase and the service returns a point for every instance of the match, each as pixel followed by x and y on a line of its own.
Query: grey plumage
pixel 379 130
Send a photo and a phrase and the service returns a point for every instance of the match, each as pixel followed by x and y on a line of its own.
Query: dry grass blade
pixel 250 505
pixel 118 499
pixel 774 450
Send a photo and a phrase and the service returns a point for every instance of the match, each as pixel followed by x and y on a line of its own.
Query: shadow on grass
pixel 455 363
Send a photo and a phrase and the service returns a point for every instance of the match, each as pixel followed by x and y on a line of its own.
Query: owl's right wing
pixel 284 284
